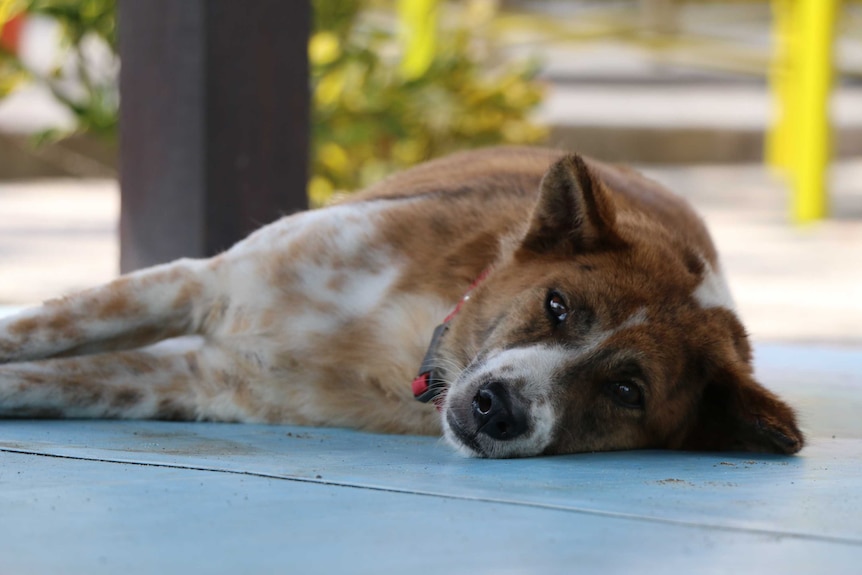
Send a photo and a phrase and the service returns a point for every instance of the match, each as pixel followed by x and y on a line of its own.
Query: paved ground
pixel 801 284
pixel 154 497
pixel 56 236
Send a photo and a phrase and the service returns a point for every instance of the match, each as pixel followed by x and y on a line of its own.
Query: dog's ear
pixel 737 413
pixel 574 211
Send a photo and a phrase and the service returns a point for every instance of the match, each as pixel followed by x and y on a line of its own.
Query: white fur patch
pixel 536 364
pixel 352 225
pixel 713 290
pixel 344 273
pixel 360 293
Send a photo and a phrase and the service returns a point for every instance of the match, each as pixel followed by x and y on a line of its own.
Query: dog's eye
pixel 626 393
pixel 556 306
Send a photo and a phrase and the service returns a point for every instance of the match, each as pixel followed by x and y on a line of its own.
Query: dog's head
pixel 603 330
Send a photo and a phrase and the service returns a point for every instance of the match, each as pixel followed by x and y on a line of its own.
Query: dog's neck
pixel 429 385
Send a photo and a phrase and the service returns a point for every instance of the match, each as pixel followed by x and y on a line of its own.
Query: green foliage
pixel 11 73
pixel 92 98
pixel 371 114
pixel 370 119
pixel 80 18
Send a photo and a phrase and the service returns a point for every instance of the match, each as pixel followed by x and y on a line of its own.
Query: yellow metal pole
pixel 779 139
pixel 815 26
pixel 418 19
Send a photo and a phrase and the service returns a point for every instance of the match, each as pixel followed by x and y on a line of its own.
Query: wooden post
pixel 214 123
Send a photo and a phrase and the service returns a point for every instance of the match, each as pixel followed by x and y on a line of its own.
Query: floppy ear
pixel 737 413
pixel 573 210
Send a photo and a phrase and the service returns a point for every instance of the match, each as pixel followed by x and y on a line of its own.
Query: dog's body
pixel 600 320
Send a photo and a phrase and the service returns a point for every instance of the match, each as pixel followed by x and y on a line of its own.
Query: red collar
pixel 428 385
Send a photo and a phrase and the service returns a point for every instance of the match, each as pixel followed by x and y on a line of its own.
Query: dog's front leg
pixel 132 311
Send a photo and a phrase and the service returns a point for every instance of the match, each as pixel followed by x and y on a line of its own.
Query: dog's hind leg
pixel 132 311
pixel 182 379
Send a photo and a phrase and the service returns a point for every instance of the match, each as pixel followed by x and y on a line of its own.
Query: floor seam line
pixel 535 505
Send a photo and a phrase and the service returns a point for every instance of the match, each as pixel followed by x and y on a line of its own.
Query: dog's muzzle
pixel 491 422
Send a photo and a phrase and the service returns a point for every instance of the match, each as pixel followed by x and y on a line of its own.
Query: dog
pixel 583 308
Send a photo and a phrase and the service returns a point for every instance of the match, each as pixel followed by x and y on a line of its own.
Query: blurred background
pixel 751 109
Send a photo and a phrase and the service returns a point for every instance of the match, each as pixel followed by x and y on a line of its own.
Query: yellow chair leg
pixel 418 20
pixel 815 26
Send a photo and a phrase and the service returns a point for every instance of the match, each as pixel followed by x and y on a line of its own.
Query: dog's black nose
pixel 496 414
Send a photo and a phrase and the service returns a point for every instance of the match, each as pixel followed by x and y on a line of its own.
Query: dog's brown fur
pixel 603 322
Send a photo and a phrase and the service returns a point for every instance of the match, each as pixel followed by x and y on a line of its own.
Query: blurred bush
pixel 83 76
pixel 372 115
pixel 385 96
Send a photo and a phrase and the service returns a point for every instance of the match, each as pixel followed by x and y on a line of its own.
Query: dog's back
pixel 323 318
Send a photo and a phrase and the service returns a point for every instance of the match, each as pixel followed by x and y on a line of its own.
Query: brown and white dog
pixel 597 318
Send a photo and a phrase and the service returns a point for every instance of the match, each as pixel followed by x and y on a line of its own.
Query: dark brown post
pixel 214 122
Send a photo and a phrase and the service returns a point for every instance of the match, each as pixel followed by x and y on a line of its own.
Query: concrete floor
pixel 145 497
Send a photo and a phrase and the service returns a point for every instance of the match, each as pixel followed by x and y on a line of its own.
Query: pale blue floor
pixel 153 497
